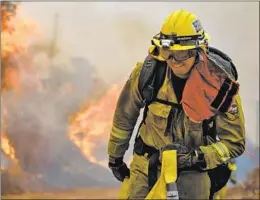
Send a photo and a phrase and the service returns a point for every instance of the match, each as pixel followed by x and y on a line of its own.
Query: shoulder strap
pixel 224 60
pixel 151 78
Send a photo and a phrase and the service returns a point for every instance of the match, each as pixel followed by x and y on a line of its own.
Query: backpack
pixel 151 79
pixel 153 73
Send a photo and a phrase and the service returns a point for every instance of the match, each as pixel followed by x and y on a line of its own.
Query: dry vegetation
pixel 9 185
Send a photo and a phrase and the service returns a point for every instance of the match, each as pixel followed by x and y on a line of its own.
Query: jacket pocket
pixel 158 116
pixel 193 136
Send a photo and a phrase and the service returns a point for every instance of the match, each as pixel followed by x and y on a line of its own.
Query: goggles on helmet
pixel 179 55
pixel 167 41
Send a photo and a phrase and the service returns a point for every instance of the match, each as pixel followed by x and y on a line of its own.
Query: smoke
pixel 36 118
pixel 37 123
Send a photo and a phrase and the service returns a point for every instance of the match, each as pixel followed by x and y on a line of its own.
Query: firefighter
pixel 170 117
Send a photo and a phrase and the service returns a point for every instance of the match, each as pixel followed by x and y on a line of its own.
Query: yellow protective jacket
pixel 229 126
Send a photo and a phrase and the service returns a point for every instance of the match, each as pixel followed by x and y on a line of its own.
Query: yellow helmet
pixel 181 31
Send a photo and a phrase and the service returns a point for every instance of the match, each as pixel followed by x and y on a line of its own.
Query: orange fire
pixel 7 147
pixel 16 36
pixel 90 127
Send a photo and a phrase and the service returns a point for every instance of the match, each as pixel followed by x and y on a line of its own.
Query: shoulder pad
pixel 146 71
pixel 151 77
pixel 222 60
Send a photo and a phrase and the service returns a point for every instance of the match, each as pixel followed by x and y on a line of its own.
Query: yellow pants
pixel 191 185
pixel 221 194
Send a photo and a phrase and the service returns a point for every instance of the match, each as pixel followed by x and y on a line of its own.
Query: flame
pixel 90 127
pixel 17 34
pixel 7 147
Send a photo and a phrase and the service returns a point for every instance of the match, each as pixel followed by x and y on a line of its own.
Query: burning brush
pixel 15 38
pixel 31 112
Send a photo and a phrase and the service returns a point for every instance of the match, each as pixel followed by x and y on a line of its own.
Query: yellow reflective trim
pixel 222 151
pixel 119 133
pixel 225 149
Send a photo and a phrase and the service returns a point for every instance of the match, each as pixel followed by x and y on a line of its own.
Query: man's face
pixel 180 62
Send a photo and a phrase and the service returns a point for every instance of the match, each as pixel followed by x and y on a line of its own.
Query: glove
pixel 119 168
pixel 187 158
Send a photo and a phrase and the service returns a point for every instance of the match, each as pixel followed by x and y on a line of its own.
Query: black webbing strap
pixel 140 148
pixel 221 94
pixel 168 103
pixel 224 107
pixel 152 169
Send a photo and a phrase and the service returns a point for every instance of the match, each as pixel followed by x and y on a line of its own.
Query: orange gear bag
pixel 211 86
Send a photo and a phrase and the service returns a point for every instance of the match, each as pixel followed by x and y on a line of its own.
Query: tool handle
pixel 172 192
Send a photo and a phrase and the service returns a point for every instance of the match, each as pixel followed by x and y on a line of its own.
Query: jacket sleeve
pixel 230 128
pixel 126 114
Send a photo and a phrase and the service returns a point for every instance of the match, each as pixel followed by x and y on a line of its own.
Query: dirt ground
pixel 89 193
pixel 108 193
pixel 247 190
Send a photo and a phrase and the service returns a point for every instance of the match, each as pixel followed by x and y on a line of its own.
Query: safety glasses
pixel 178 56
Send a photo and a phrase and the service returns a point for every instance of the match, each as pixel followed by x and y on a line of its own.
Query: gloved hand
pixel 119 168
pixel 187 158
